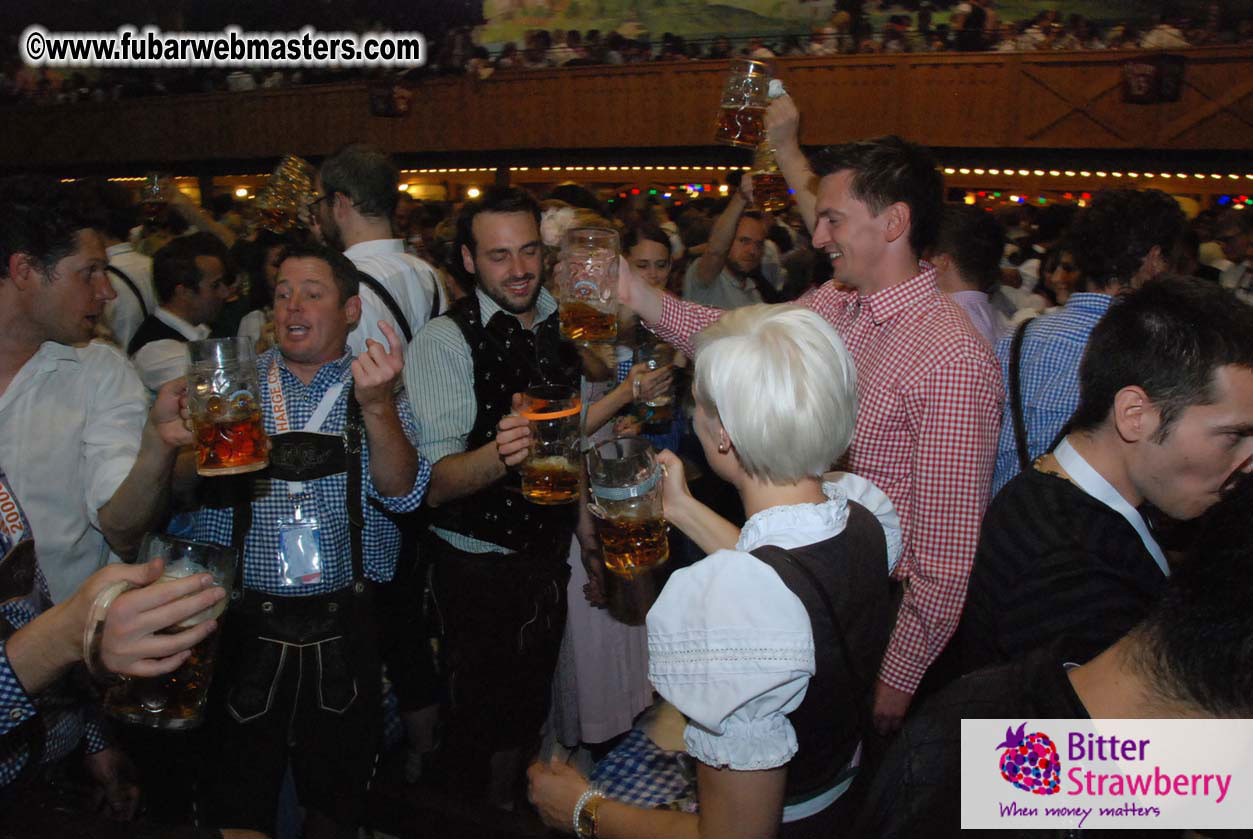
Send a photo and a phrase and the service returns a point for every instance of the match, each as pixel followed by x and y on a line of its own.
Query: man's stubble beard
pixel 512 308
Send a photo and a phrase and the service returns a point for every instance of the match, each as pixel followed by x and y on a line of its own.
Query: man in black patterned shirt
pixel 1165 417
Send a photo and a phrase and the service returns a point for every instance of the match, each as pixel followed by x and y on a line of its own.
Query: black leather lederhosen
pixel 300 676
pixel 299 456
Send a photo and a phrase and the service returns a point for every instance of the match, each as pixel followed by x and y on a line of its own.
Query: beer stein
pixel 154 196
pixel 770 190
pixel 551 471
pixel 587 285
pixel 225 403
pixel 656 354
pixel 742 113
pixel 624 479
pixel 176 700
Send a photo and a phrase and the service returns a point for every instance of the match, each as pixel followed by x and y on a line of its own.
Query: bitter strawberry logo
pixel 1030 762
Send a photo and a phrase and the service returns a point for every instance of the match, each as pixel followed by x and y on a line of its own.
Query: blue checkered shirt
pixel 63 728
pixel 324 497
pixel 1049 374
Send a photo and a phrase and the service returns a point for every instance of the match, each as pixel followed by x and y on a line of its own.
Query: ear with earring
pixel 724 445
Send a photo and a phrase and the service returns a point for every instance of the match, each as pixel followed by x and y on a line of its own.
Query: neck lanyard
pixel 282 421
pixel 1091 482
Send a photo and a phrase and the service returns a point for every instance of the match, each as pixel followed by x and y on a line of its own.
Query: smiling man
pixel 88 462
pixel 1165 418
pixel 928 390
pixel 299 662
pixel 500 567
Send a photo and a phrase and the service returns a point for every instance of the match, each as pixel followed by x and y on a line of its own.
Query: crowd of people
pixel 973 26
pixel 929 464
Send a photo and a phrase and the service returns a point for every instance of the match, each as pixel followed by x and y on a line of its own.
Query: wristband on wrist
pixel 94 629
pixel 584 822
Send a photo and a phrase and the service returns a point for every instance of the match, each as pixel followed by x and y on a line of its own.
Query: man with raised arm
pixel 928 387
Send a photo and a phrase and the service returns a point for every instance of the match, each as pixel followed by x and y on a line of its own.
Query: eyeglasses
pixel 312 206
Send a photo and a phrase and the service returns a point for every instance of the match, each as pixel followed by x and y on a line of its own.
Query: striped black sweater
pixel 1052 560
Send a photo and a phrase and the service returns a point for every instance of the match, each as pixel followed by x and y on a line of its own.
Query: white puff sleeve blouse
pixel 731 646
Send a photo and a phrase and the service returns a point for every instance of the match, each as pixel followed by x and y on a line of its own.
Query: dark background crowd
pixel 454 47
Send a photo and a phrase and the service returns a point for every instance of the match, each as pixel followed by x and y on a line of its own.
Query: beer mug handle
pixel 94 629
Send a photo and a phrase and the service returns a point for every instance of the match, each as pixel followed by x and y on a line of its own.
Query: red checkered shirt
pixel 929 396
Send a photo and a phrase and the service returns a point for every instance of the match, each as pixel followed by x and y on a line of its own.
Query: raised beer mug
pixel 742 112
pixel 224 398
pixel 655 353
pixel 624 479
pixel 770 189
pixel 586 281
pixel 154 196
pixel 551 471
pixel 176 700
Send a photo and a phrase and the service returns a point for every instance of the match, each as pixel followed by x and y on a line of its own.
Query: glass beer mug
pixel 154 196
pixel 655 353
pixel 176 700
pixel 587 285
pixel 742 113
pixel 624 478
pixel 551 471
pixel 770 190
pixel 225 402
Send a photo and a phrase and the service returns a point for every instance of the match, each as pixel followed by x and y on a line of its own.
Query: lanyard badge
pixel 299 548
pixel 304 455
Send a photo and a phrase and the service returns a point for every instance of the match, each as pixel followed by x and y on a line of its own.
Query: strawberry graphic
pixel 1030 762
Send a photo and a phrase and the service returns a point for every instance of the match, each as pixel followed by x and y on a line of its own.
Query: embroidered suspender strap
pixel 356 513
pixel 121 275
pixel 240 525
pixel 390 302
pixel 1015 396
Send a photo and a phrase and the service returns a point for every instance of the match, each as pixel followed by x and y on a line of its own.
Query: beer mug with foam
pixel 551 471
pixel 225 402
pixel 624 479
pixel 176 700
pixel 586 280
pixel 742 112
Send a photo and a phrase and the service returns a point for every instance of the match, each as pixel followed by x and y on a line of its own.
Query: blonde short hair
pixel 782 383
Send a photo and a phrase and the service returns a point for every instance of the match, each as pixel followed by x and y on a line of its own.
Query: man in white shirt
pixel 1233 236
pixel 357 195
pixel 190 274
pixel 113 214
pixel 89 463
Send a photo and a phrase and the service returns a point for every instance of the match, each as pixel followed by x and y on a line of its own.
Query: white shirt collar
pixel 545 305
pixel 189 331
pixel 1096 485
pixel 119 249
pixel 376 247
pixel 796 525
